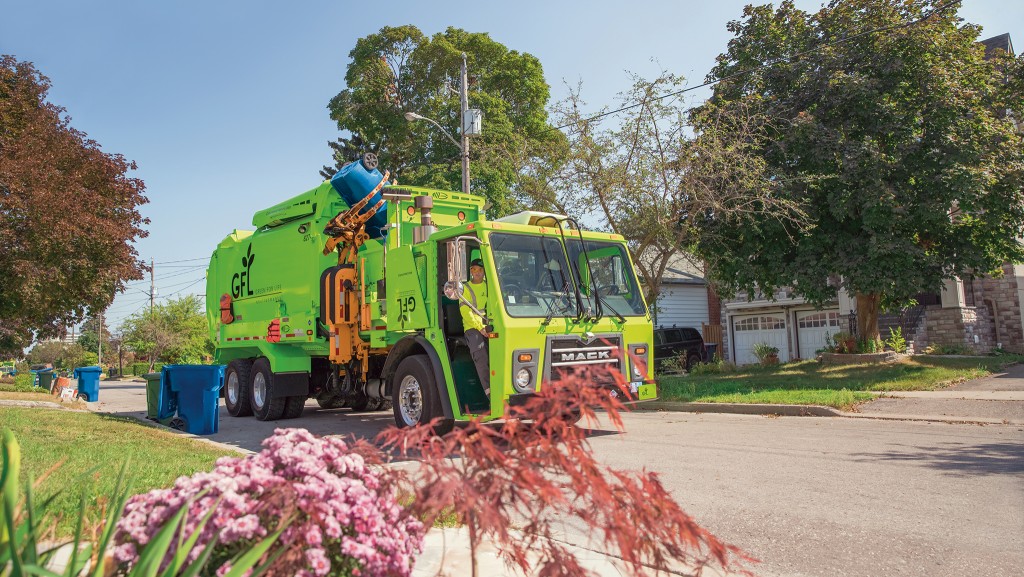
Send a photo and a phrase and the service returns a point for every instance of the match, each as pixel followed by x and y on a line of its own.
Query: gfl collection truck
pixel 350 293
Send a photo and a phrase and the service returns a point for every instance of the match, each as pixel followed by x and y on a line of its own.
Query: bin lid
pixel 92 369
pixel 151 376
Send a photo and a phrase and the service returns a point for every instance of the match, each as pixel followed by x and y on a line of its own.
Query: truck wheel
pixel 264 405
pixel 414 396
pixel 236 388
pixel 293 407
pixel 362 403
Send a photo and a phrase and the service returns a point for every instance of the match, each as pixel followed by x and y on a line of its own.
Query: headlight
pixel 636 372
pixel 522 379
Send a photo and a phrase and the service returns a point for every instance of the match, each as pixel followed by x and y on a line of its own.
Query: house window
pixel 769 323
pixel 822 319
pixel 751 324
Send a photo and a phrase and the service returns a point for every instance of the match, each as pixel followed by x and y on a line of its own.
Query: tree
pixel 399 70
pixel 646 179
pixel 91 334
pixel 68 214
pixel 889 127
pixel 60 354
pixel 174 332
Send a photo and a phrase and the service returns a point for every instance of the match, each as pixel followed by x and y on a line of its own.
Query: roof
pixel 1001 42
pixel 684 268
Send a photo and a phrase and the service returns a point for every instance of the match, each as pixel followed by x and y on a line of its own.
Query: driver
pixel 475 293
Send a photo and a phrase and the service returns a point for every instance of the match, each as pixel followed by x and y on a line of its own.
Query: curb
pixel 809 411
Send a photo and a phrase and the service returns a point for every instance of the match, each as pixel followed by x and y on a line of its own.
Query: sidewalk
pixel 994 400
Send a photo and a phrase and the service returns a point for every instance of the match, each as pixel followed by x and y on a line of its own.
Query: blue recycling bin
pixel 356 180
pixel 195 391
pixel 88 383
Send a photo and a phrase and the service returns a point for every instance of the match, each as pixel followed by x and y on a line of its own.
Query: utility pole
pixel 464 97
pixel 152 288
pixel 99 342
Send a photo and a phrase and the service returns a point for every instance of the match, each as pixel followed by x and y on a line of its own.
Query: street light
pixel 470 125
pixel 412 117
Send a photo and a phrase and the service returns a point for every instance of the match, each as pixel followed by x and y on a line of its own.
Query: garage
pixel 748 330
pixel 682 305
pixel 813 329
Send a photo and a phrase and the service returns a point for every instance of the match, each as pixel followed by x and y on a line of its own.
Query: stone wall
pixel 970 327
pixel 1000 299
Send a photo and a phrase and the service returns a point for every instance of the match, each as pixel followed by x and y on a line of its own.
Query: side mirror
pixel 452 289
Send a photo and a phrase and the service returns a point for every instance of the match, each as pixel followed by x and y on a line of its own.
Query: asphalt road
pixel 818 496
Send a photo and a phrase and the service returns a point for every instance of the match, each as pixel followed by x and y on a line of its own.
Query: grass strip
pixel 92 447
pixel 838 386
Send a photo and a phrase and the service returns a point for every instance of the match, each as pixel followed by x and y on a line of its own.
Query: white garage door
pixel 683 306
pixel 812 328
pixel 748 330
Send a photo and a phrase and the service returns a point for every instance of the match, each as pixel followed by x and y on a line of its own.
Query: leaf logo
pixel 247 259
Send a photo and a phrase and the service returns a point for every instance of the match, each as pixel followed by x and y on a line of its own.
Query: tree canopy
pixel 888 126
pixel 174 332
pixel 68 214
pixel 399 70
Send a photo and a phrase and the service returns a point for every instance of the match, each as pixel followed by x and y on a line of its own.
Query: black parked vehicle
pixel 682 342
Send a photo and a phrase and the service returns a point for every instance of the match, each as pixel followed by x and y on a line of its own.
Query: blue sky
pixel 223 103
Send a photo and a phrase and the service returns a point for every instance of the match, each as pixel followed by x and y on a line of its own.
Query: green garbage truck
pixel 352 293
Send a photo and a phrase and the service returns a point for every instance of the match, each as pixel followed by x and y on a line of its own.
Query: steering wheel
pixel 514 291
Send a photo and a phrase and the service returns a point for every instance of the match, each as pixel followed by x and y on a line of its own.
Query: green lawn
pixel 93 447
pixel 842 387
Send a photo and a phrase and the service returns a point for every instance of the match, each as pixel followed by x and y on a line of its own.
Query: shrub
pixel 957 349
pixel 347 520
pixel 844 342
pixel 896 341
pixel 718 366
pixel 676 364
pixel 514 482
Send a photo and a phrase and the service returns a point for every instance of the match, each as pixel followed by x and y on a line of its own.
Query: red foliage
pixel 68 214
pixel 536 466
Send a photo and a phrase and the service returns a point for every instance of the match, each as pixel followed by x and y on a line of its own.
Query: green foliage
pixel 23 524
pixel 174 332
pixel 399 70
pixel 878 138
pixel 868 346
pixel 139 369
pixel 765 353
pixel 61 355
pixel 55 178
pixel 715 367
pixel 896 341
pixel 955 349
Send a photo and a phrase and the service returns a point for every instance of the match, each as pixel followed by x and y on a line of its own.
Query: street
pixel 806 496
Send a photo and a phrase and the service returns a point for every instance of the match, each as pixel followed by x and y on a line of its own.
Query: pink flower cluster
pixel 344 521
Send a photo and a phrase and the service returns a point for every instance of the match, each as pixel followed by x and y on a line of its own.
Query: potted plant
pixel 766 354
pixel 845 343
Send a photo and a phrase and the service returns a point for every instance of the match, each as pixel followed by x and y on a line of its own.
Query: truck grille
pixel 567 352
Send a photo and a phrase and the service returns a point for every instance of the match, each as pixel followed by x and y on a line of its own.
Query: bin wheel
pixel 237 389
pixel 83 397
pixel 293 407
pixel 265 405
pixel 415 399
pixel 177 424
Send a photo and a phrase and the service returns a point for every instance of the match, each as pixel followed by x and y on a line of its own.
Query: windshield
pixel 614 279
pixel 533 276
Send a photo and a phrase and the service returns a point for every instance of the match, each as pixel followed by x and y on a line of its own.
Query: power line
pixel 792 58
pixel 183 260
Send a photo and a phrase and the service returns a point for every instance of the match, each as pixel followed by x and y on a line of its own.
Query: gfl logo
pixel 240 283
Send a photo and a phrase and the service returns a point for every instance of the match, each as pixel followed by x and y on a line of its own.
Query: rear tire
pixel 293 407
pixel 692 361
pixel 237 390
pixel 415 399
pixel 264 404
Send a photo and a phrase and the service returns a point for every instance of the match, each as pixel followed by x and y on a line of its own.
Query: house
pixel 683 299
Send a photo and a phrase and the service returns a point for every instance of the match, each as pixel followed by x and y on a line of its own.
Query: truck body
pixel 356 302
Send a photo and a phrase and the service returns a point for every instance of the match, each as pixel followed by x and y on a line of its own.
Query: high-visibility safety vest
pixel 476 294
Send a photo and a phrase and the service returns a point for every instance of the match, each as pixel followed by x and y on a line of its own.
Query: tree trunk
pixel 868 306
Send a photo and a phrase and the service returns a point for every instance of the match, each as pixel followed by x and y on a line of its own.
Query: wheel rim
pixel 410 400
pixel 232 388
pixel 259 389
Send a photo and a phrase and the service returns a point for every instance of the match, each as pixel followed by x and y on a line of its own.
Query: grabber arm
pixel 347 227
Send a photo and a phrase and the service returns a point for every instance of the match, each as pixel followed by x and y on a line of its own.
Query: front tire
pixel 692 361
pixel 264 404
pixel 236 388
pixel 414 396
